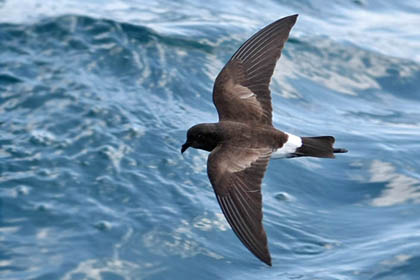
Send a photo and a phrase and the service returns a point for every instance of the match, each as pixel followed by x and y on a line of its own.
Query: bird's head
pixel 203 136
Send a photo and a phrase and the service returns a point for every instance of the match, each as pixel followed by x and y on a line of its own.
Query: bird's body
pixel 242 134
pixel 244 139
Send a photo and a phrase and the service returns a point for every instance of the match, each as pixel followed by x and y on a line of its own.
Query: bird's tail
pixel 320 146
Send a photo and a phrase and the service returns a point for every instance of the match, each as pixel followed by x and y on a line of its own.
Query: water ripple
pixel 95 99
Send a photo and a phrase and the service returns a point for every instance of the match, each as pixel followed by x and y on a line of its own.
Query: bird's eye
pixel 200 136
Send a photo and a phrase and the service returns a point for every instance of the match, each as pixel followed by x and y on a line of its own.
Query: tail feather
pixel 340 150
pixel 320 146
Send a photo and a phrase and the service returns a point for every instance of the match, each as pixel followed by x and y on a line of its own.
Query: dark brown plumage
pixel 244 140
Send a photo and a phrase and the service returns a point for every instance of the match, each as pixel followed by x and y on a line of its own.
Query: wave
pixel 84 29
pixel 93 112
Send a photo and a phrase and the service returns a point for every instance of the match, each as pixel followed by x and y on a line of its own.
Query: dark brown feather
pixel 236 175
pixel 241 90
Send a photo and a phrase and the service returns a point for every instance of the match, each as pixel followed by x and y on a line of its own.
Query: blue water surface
pixel 95 100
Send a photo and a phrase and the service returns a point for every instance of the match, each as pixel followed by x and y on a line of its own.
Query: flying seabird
pixel 244 139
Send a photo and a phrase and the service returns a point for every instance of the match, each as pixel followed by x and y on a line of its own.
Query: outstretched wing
pixel 241 90
pixel 236 175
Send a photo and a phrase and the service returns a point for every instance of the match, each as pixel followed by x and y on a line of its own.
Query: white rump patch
pixel 293 143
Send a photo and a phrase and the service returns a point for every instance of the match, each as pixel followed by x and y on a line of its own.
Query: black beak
pixel 184 147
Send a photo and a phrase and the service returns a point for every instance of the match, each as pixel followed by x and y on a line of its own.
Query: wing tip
pixel 287 21
pixel 258 250
pixel 265 257
pixel 267 260
pixel 292 18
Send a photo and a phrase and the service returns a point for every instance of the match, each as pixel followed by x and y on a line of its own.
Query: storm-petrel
pixel 244 139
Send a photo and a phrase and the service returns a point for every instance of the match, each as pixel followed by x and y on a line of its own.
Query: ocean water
pixel 95 100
